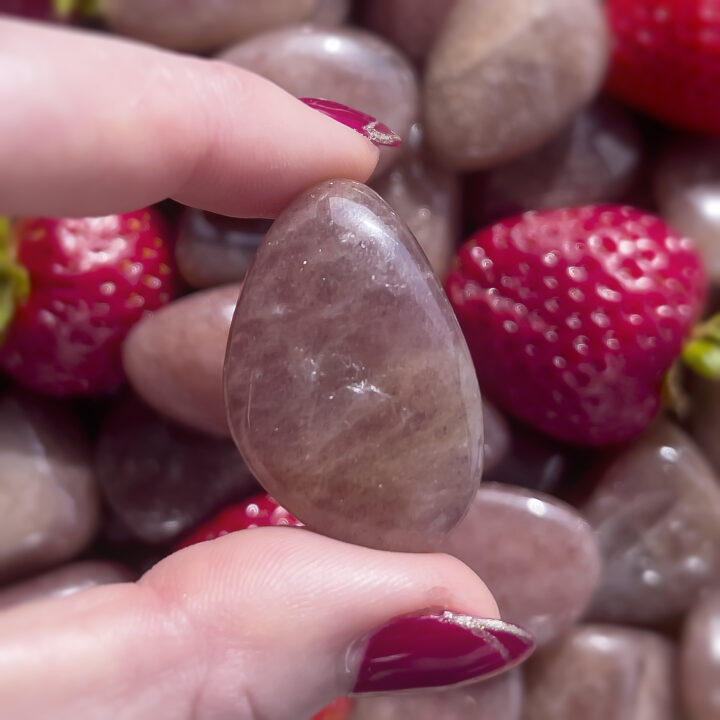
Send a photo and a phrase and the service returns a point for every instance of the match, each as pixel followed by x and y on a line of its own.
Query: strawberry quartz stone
pixel 574 316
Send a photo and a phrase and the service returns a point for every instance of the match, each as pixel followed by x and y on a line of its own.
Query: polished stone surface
pixel 203 25
pixel 656 515
pixel 331 12
pixel 174 358
pixel 49 502
pixel 214 250
pixel 535 553
pixel 602 672
pixel 161 479
pixel 65 580
pixel 427 198
pixel 350 389
pixel 687 191
pixel 596 159
pixel 699 660
pixel 411 25
pixel 505 76
pixel 348 66
pixel 497 699
pixel 705 419
pixel 496 441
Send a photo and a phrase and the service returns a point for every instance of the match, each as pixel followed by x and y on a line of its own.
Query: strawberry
pixel 90 281
pixel 52 10
pixel 260 510
pixel 574 316
pixel 666 60
pixel 337 710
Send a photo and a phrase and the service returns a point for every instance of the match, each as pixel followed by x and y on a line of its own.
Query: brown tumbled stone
pixel 504 76
pixel 602 672
pixel 174 358
pixel 536 554
pixel 350 390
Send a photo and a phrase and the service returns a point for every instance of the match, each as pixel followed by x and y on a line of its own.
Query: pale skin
pixel 254 625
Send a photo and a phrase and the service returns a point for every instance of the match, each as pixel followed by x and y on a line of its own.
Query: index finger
pixel 93 125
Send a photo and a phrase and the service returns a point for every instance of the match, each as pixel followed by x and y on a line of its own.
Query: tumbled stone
pixel 349 386
pixel 49 502
pixel 331 12
pixel 596 159
pixel 351 67
pixel 161 479
pixel 602 672
pixel 496 440
pixel 66 580
pixel 687 190
pixel 536 554
pixel 505 76
pixel 214 250
pixel 656 515
pixel 196 26
pixel 705 419
pixel 496 699
pixel 699 661
pixel 174 358
pixel 427 198
pixel 411 25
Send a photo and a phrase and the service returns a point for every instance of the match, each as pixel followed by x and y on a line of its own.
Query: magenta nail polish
pixel 436 649
pixel 366 125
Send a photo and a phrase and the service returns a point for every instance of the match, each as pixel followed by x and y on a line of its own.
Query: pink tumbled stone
pixel 699 664
pixel 656 515
pixel 596 159
pixel 174 358
pixel 505 76
pixel 66 580
pixel 536 554
pixel 348 66
pixel 349 386
pixel 496 437
pixel 49 501
pixel 427 198
pixel 602 672
pixel 161 479
pixel 497 699
pixel 687 190
pixel 331 12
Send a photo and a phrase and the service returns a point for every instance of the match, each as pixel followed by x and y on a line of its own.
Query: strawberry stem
pixel 702 353
pixel 14 279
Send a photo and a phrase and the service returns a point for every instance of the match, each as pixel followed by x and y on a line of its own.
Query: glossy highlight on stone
pixel 596 159
pixel 536 554
pixel 656 515
pixel 347 66
pixel 687 190
pixel 339 323
pixel 427 198
pixel 214 250
pixel 699 660
pixel 499 698
pixel 65 580
pixel 602 672
pixel 504 76
pixel 161 479
pixel 49 502
pixel 174 358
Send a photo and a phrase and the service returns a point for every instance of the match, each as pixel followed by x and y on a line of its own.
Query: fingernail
pixel 367 125
pixel 435 649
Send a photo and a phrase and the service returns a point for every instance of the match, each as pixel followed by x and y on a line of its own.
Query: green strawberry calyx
pixel 702 352
pixel 65 9
pixel 14 278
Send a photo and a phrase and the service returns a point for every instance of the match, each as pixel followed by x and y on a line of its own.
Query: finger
pixel 92 125
pixel 253 625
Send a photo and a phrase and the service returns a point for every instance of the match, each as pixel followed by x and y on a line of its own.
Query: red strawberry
pixel 336 710
pixel 91 280
pixel 666 60
pixel 574 316
pixel 48 9
pixel 260 510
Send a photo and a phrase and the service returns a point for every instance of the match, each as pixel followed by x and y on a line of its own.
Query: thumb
pixel 270 623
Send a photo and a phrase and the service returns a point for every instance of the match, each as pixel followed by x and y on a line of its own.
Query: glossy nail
pixel 377 132
pixel 434 649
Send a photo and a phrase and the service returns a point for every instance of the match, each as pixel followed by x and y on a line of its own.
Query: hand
pixel 257 624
